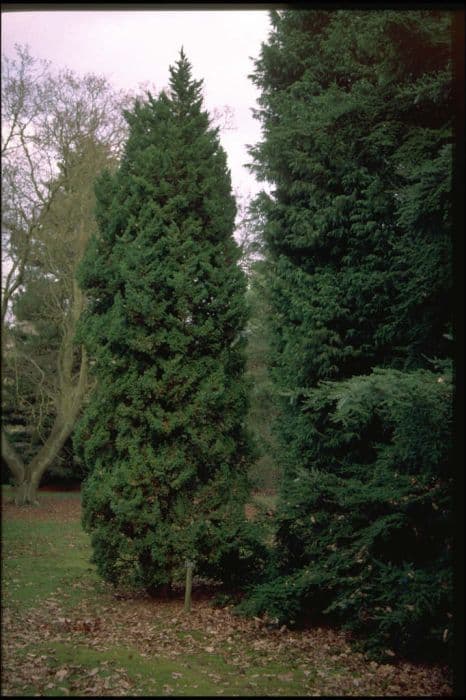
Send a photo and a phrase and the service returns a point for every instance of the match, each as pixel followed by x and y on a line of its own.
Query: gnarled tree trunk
pixel 28 476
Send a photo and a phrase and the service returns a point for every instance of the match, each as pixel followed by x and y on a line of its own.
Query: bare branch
pixel 12 458
pixel 59 131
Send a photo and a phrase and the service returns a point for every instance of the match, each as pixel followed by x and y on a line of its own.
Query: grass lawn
pixel 65 632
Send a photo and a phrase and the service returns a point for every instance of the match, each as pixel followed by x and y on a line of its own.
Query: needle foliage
pixel 356 111
pixel 163 436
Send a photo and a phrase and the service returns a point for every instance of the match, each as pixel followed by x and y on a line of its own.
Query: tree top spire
pixel 184 89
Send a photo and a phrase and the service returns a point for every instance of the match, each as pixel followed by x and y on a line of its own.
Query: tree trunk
pixel 27 477
pixel 28 482
pixel 26 494
pixel 13 460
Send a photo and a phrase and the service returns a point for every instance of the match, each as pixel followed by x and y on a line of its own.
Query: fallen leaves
pixel 316 661
pixel 87 626
pixel 65 509
pixel 61 674
pixel 320 657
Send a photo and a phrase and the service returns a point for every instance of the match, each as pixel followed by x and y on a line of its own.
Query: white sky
pixel 132 47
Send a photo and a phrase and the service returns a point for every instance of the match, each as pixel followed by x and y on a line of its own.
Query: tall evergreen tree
pixel 163 435
pixel 356 113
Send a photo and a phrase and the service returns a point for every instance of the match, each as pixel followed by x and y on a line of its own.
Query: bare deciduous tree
pixel 58 131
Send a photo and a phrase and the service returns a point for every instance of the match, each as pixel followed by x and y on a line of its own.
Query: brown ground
pixel 153 627
pixel 49 508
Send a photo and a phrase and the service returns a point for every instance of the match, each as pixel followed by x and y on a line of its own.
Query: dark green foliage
pixel 367 537
pixel 235 553
pixel 356 111
pixel 163 435
pixel 358 148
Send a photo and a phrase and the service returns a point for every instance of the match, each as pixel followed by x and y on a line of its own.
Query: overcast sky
pixel 133 47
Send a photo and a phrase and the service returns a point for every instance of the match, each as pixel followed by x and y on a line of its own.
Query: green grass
pixel 197 675
pixel 46 561
pixel 59 556
pixel 141 647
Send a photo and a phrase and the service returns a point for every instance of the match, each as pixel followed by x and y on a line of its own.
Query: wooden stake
pixel 189 584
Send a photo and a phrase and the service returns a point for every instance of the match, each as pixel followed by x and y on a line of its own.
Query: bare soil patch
pixel 67 508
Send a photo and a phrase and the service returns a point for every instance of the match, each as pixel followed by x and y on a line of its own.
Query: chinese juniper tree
pixel 356 110
pixel 163 435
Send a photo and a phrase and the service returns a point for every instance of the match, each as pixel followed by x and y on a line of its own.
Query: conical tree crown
pixel 185 92
pixel 163 436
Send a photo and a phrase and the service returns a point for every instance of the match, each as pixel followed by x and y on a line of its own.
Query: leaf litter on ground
pixel 218 647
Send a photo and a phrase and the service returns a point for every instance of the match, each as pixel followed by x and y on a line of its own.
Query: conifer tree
pixel 356 114
pixel 163 436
